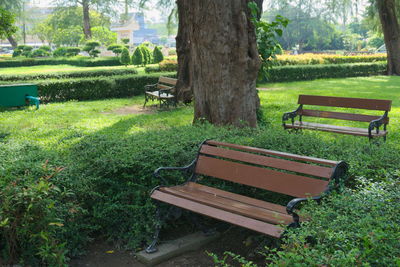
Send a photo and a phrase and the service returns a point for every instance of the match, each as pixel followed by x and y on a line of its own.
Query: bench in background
pixel 298 176
pixel 375 122
pixel 163 91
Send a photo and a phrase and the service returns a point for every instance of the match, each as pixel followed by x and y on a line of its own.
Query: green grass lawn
pixel 60 68
pixel 53 121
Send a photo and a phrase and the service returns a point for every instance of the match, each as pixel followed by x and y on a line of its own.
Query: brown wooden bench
pixel 375 122
pixel 163 91
pixel 288 174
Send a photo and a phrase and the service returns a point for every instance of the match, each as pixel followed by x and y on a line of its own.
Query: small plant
pixel 125 59
pixel 147 57
pixel 23 50
pixel 125 40
pixel 72 51
pixel 157 55
pixel 137 57
pixel 116 49
pixel 40 53
pixel 91 48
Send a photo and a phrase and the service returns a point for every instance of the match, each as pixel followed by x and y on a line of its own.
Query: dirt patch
pixel 136 109
pixel 235 239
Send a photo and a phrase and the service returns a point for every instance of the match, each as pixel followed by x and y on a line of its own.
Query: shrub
pixel 116 49
pixel 40 53
pixel 125 58
pixel 60 52
pixel 137 57
pixel 90 48
pixel 77 61
pixel 152 69
pixel 351 229
pixel 310 72
pixel 70 74
pixel 125 40
pixel 23 50
pixel 172 52
pixel 72 51
pixel 45 48
pixel 157 55
pixel 169 65
pixel 147 57
pixel 314 59
pixel 95 88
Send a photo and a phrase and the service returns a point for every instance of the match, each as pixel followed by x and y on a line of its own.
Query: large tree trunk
pixel 86 20
pixel 12 41
pixel 391 32
pixel 219 61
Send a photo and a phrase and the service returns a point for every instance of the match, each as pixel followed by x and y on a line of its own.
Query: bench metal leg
pixel 159 221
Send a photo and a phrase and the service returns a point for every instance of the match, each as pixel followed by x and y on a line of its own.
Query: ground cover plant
pixel 94 166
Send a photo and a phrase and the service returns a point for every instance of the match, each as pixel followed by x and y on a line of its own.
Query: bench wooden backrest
pixel 343 102
pixel 285 173
pixel 166 83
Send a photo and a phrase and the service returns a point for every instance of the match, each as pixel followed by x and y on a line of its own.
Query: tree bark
pixel 12 41
pixel 218 60
pixel 86 20
pixel 391 32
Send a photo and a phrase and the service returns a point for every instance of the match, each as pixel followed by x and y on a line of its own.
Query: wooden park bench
pixel 288 174
pixel 163 91
pixel 375 122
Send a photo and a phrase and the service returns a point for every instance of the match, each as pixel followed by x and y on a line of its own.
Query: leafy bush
pixel 310 72
pixel 125 58
pixel 40 53
pixel 70 74
pixel 137 57
pixel 91 48
pixel 72 51
pixel 152 69
pixel 95 88
pixel 116 49
pixel 157 55
pixel 147 56
pixel 168 65
pixel 77 61
pixel 350 229
pixel 23 50
pixel 315 59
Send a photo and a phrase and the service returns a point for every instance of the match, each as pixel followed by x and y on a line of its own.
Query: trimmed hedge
pixel 96 88
pixel 81 62
pixel 315 59
pixel 62 75
pixel 311 72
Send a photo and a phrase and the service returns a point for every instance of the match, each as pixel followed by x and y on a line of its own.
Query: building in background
pixel 135 29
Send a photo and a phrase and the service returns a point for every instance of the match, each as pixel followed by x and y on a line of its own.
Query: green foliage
pixel 77 61
pixel 90 48
pixel 157 55
pixel 45 48
pixel 311 72
pixel 60 52
pixel 125 58
pixel 137 57
pixel 72 51
pixel 267 43
pixel 125 40
pixel 147 56
pixel 40 53
pixel 70 74
pixel 23 50
pixel 29 220
pixel 351 229
pixel 91 88
pixel 168 65
pixel 104 35
pixel 7 20
pixel 115 48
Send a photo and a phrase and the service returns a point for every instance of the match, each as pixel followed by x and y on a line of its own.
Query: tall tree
pixel 15 7
pixel 218 60
pixel 391 33
pixel 7 27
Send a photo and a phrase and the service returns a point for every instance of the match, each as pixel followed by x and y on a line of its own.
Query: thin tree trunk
pixel 12 41
pixel 391 32
pixel 217 42
pixel 86 20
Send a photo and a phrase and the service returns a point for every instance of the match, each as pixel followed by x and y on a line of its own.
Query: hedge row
pixel 311 72
pixel 313 59
pixel 82 62
pixel 70 74
pixel 95 88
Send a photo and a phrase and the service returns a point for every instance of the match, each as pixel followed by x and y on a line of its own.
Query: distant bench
pixel 163 91
pixel 375 122
pixel 287 174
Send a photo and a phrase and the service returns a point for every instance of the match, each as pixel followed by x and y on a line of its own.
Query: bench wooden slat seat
pixel 288 174
pixel 375 122
pixel 163 91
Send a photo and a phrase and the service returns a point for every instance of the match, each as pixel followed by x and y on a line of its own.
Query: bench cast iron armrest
pixel 150 87
pixel 376 124
pixel 291 115
pixel 167 91
pixel 292 205
pixel 187 169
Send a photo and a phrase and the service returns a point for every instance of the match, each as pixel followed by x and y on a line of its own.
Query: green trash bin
pixel 16 95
